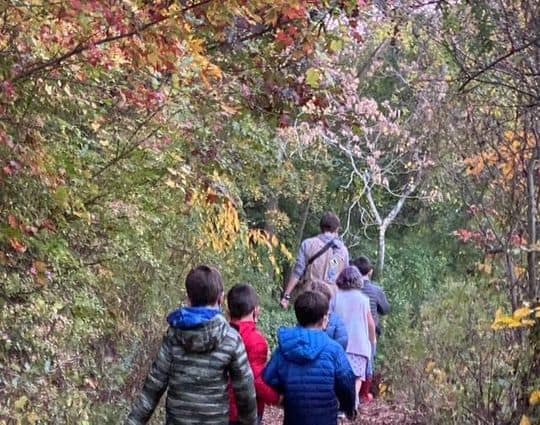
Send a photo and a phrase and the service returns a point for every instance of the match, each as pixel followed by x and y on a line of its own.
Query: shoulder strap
pixel 318 254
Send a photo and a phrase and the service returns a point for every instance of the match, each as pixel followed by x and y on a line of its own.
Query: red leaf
pixel 463 235
pixel 18 245
pixel 8 89
pixel 295 13
pixel 30 230
pixel 211 198
pixel 13 222
pixel 76 4
pixel 48 224
pixel 284 38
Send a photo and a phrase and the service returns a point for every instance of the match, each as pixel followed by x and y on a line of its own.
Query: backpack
pixel 325 261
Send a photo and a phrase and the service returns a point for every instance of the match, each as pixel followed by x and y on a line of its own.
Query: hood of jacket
pixel 198 329
pixel 301 345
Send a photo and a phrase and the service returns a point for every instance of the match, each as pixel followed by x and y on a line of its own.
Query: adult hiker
pixel 321 257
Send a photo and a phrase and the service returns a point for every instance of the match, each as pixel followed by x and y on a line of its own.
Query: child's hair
pixel 350 278
pixel 241 300
pixel 363 264
pixel 329 222
pixel 204 286
pixel 324 288
pixel 310 307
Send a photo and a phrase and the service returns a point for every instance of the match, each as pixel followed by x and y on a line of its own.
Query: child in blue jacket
pixel 311 370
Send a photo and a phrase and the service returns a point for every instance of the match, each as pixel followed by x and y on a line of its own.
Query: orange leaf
pixel 17 245
pixel 40 279
pixel 295 13
pixel 40 266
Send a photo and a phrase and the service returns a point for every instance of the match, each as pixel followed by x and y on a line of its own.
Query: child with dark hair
pixel 378 304
pixel 199 355
pixel 353 307
pixel 336 328
pixel 310 369
pixel 244 309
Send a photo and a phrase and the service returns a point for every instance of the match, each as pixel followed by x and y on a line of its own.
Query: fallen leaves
pixel 17 245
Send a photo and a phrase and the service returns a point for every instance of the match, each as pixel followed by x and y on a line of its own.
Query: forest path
pixel 378 412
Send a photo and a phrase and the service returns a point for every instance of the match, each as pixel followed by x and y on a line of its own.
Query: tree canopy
pixel 140 138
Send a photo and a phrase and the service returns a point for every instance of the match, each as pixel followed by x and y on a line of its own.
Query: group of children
pixel 217 371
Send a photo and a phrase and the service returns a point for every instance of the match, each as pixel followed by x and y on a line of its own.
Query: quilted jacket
pixel 313 374
pixel 199 355
pixel 257 352
pixel 337 330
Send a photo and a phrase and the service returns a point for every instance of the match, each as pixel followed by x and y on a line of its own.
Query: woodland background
pixel 140 138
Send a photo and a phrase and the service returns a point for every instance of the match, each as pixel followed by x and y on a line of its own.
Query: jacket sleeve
pixel 154 386
pixel 243 386
pixel 383 306
pixel 345 383
pixel 271 374
pixel 301 261
pixel 259 355
pixel 340 332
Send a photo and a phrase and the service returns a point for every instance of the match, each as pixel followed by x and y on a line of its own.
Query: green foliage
pixel 272 318
pixel 450 363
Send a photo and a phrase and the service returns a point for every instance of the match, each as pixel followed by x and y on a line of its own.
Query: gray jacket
pixel 196 365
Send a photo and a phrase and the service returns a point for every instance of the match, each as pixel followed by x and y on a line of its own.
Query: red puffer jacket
pixel 257 352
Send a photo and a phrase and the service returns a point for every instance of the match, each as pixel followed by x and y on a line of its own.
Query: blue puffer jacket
pixel 337 330
pixel 313 374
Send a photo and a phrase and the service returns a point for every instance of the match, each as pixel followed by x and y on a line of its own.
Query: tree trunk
pixel 532 214
pixel 303 221
pixel 382 250
pixel 531 224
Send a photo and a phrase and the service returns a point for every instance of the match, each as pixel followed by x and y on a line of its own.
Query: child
pixel 378 305
pixel 353 307
pixel 199 354
pixel 309 369
pixel 244 310
pixel 336 328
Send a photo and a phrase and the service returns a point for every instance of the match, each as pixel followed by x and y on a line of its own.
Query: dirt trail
pixel 378 412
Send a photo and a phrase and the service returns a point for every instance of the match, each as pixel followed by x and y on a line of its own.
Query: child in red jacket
pixel 244 309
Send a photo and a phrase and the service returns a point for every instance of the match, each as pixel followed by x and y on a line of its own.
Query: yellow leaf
pixel 383 388
pixel 525 420
pixel 21 403
pixel 534 398
pixel 32 418
pixel 430 366
pixel 522 313
pixel 485 268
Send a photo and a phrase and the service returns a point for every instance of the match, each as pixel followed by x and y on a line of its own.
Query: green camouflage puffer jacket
pixel 197 358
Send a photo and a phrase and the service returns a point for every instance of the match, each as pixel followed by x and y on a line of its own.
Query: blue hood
pixel 301 345
pixel 191 317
